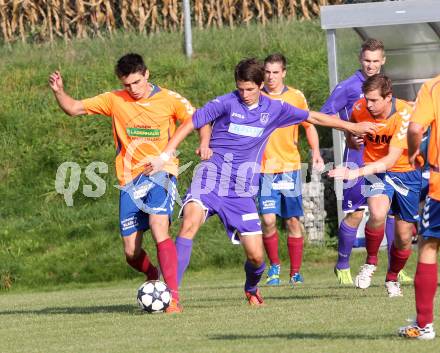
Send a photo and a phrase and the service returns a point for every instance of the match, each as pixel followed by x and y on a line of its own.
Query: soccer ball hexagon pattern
pixel 153 296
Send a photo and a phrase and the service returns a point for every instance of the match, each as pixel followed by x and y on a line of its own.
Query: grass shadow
pixel 301 336
pixel 87 310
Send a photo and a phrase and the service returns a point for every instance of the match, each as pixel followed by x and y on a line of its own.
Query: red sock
pixel 398 260
pixel 373 239
pixel 142 264
pixel 167 257
pixel 295 247
pixel 425 285
pixel 271 246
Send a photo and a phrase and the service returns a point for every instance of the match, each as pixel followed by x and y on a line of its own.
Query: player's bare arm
pixel 68 104
pixel 205 136
pixel 414 137
pixel 358 129
pixel 313 140
pixel 380 166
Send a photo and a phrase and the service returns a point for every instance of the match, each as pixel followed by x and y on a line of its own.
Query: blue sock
pixel 253 276
pixel 184 249
pixel 346 239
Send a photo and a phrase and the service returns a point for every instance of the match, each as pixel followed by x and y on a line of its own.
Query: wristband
pixel 164 156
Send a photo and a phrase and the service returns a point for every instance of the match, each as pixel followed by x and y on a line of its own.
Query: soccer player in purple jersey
pixel 341 100
pixel 227 183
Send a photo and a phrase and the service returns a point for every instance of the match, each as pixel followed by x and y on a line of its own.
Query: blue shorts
pixel 403 190
pixel 281 193
pixel 430 222
pixel 145 195
pixel 425 184
pixel 238 214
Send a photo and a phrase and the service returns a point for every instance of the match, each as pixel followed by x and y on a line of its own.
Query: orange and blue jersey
pixel 391 131
pixel 141 128
pixel 281 153
pixel 427 113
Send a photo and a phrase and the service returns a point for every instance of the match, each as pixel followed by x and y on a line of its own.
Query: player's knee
pixel 294 227
pixel 256 259
pixel 131 253
pixel 269 225
pixel 402 243
pixel 354 219
pixel 376 219
pixel 189 228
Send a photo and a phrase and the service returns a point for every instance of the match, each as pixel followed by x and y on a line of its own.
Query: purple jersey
pixel 238 139
pixel 345 94
pixel 341 101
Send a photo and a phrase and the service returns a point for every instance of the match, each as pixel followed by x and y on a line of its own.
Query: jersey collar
pixel 360 75
pixel 155 89
pixel 393 107
pixel 284 90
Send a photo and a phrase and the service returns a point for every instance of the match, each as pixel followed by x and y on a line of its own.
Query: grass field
pixel 317 317
pixel 42 240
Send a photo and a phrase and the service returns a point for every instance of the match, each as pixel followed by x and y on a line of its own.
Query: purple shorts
pixel 238 214
pixel 353 197
pixel 353 189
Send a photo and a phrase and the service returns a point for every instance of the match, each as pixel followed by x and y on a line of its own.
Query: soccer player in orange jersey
pixel 144 118
pixel 280 179
pixel 426 114
pixel 392 183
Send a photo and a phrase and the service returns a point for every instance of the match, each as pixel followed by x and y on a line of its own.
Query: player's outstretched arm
pixel 69 105
pixel 358 129
pixel 380 166
pixel 313 140
pixel 414 137
pixel 156 164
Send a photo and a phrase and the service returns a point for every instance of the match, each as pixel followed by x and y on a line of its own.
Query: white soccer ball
pixel 153 296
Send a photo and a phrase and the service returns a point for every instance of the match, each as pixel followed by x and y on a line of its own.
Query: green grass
pixel 318 316
pixel 42 241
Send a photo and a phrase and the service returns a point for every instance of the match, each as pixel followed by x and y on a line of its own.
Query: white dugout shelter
pixel 410 30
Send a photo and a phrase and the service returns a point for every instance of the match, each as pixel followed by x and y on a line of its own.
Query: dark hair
pixel 378 82
pixel 251 70
pixel 276 58
pixel 130 64
pixel 372 44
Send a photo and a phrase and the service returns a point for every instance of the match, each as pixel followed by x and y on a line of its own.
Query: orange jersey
pixel 427 113
pixel 391 132
pixel 141 128
pixel 281 153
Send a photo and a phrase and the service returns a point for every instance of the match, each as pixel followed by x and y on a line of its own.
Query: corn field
pixel 46 20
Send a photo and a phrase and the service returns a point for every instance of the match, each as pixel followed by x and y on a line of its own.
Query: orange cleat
pixel 174 307
pixel 254 298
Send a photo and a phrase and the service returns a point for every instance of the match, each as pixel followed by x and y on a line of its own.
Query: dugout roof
pixel 410 30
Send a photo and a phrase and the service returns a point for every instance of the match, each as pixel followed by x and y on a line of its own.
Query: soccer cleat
pixel 254 298
pixel 363 279
pixel 174 307
pixel 344 276
pixel 273 275
pixel 403 277
pixel 393 289
pixel 415 332
pixel 296 279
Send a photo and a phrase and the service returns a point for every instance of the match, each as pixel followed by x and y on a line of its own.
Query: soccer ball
pixel 153 296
